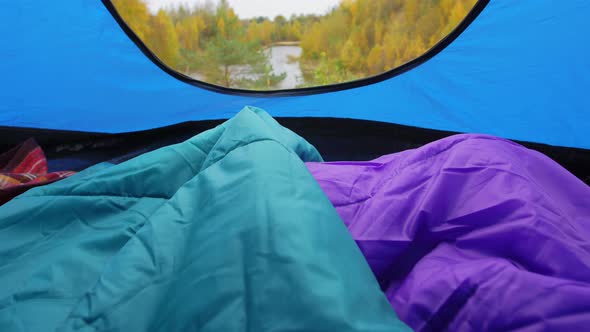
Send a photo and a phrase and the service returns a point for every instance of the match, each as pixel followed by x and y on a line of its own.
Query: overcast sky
pixel 253 8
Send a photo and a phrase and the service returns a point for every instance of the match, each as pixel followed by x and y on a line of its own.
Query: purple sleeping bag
pixel 470 233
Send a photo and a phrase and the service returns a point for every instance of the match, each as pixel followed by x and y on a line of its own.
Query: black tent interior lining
pixel 337 139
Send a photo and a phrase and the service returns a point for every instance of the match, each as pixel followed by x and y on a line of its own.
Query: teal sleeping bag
pixel 227 231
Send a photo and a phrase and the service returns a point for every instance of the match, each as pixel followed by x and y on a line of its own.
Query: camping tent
pixel 231 230
pixel 73 71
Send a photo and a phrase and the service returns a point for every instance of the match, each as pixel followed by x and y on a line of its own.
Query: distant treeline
pixel 356 39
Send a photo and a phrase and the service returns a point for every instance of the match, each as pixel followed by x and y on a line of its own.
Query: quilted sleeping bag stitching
pixel 470 233
pixel 227 231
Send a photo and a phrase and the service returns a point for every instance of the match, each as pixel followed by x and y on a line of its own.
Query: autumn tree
pixel 188 30
pixel 295 30
pixel 163 40
pixel 136 15
pixel 373 36
pixel 230 59
pixel 280 28
pixel 375 60
pixel 355 39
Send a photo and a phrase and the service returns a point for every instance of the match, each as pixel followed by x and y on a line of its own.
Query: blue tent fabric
pixel 519 71
pixel 227 231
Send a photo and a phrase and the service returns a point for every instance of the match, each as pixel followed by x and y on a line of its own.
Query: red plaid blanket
pixel 24 167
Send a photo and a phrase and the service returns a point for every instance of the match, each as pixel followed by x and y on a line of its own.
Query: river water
pixel 279 59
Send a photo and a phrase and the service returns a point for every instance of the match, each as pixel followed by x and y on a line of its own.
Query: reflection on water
pixel 279 59
pixel 283 58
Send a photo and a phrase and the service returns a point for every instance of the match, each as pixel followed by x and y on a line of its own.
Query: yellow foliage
pixel 189 31
pixel 379 30
pixel 351 56
pixel 311 42
pixel 457 14
pixel 412 11
pixel 221 27
pixel 389 51
pixel 136 15
pixel 375 60
pixel 356 39
pixel 163 40
pixel 354 9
